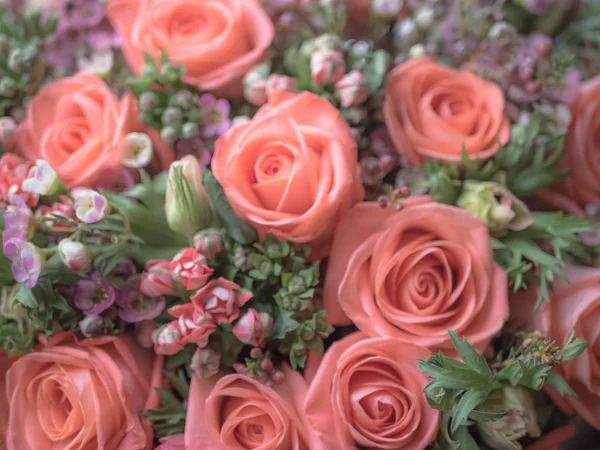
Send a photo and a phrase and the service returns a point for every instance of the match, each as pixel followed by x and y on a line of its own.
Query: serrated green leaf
pixel 554 379
pixel 467 403
pixel 470 356
pixel 573 349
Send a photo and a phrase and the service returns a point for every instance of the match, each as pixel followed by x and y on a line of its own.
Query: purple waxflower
pixel 93 295
pixel 124 269
pixel 19 216
pixel 135 306
pixel 27 264
pixel 194 147
pixel 86 14
pixel 103 37
pixel 90 206
pixel 215 121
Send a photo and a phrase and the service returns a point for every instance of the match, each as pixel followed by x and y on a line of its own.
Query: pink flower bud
pixel 8 133
pixel 157 279
pixel 278 82
pixel 90 206
pixel 255 84
pixel 327 66
pixel 209 242
pixel 167 340
pixel 190 269
pixel 43 180
pixel 386 9
pixel 27 264
pixel 74 255
pixel 352 89
pixel 252 328
pixel 205 362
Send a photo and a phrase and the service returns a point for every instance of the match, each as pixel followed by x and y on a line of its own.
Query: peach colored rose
pixel 291 171
pixel 235 412
pixel 86 395
pixel 368 393
pixel 5 364
pixel 217 41
pixel 576 306
pixel 414 274
pixel 434 111
pixel 582 158
pixel 79 126
pixel 174 442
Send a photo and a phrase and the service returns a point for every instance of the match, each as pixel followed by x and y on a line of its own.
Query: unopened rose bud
pixel 255 84
pixel 92 326
pixel 138 150
pixel 90 206
pixel 209 242
pixel 74 255
pixel 352 89
pixel 252 328
pixel 205 363
pixel 187 205
pixel 277 82
pixel 386 9
pixel 149 101
pixel 8 134
pixel 43 180
pixel 327 66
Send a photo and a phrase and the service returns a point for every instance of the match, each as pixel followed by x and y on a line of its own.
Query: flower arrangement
pixel 299 224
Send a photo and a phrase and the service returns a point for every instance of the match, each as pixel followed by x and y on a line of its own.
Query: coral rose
pixel 368 393
pixel 235 412
pixel 88 394
pixel 291 171
pixel 582 187
pixel 217 41
pixel 414 274
pixel 174 442
pixel 79 126
pixel 5 364
pixel 433 111
pixel 576 306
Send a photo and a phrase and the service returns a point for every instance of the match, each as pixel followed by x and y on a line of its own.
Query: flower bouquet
pixel 299 224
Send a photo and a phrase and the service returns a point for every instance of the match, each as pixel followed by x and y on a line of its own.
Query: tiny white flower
pixel 138 150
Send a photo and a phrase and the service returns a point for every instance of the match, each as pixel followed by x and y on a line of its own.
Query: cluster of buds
pixel 310 335
pixel 393 197
pixel 187 115
pixel 414 31
pixel 260 367
pixel 259 82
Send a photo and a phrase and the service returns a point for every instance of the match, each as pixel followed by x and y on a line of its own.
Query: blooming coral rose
pixel 217 41
pixel 174 442
pixel 582 186
pixel 368 393
pixel 236 412
pixel 576 306
pixel 79 126
pixel 86 395
pixel 5 364
pixel 292 170
pixel 433 111
pixel 416 273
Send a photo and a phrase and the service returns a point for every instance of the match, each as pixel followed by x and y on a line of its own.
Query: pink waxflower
pixel 253 327
pixel 352 89
pixel 327 66
pixel 215 120
pixel 190 269
pixel 27 264
pixel 209 242
pixel 42 179
pixel 8 133
pixel 19 227
pixel 157 279
pixel 74 255
pixel 277 82
pixel 221 299
pixel 255 84
pixel 90 206
pixel 205 362
pixel 93 295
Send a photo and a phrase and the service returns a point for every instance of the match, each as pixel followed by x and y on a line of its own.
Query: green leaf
pixel 467 403
pixel 283 323
pixel 376 70
pixel 236 228
pixel 554 379
pixel 26 298
pixel 573 349
pixel 468 354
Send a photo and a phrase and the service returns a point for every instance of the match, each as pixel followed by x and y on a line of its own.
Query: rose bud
pixel 138 150
pixel 209 242
pixel 8 133
pixel 157 279
pixel 90 206
pixel 187 206
pixel 277 82
pixel 495 206
pixel 352 89
pixel 74 255
pixel 386 9
pixel 43 180
pixel 327 66
pixel 253 327
pixel 255 84
pixel 92 326
pixel 205 362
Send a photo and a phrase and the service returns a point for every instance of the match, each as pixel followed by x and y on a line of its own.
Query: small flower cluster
pixel 84 38
pixel 186 118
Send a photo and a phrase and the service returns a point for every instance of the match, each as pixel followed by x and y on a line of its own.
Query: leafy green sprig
pixel 459 388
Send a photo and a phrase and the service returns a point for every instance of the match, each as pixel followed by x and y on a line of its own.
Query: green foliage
pixel 459 388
